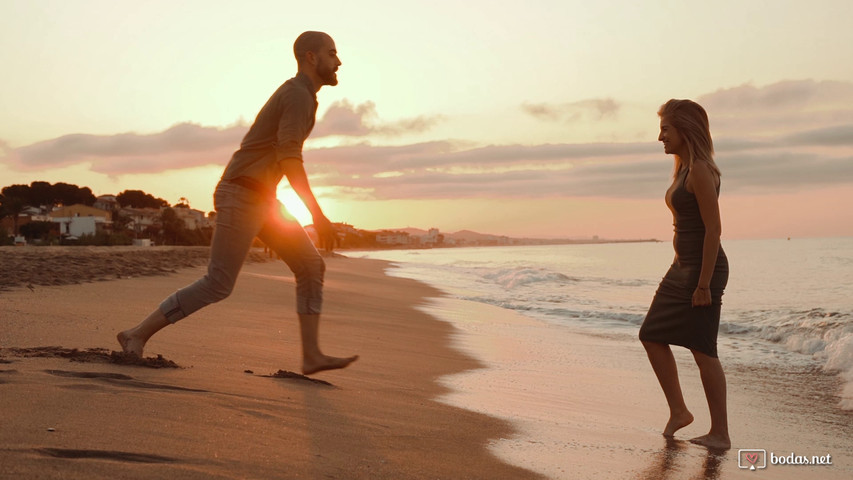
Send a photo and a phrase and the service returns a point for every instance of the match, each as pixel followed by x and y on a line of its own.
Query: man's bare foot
pixel 713 441
pixel 677 422
pixel 325 362
pixel 130 343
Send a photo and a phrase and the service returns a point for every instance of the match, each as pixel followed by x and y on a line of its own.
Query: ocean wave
pixel 511 278
pixel 515 277
pixel 600 294
pixel 825 336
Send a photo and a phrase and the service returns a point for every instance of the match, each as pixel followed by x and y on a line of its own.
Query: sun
pixel 294 206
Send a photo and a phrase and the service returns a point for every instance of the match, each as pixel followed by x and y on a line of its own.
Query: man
pixel 246 207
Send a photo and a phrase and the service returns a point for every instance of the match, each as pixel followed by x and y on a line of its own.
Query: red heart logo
pixel 752 458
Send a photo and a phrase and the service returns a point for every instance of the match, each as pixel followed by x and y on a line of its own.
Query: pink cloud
pixel 344 118
pixel 807 152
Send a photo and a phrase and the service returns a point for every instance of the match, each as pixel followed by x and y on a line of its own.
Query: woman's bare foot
pixel 713 441
pixel 325 362
pixel 130 343
pixel 677 422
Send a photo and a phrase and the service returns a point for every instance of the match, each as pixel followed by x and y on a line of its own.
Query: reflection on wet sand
pixel 672 462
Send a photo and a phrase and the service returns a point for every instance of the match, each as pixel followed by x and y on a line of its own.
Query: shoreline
pixel 221 415
pixel 579 397
pixel 489 393
pixel 523 243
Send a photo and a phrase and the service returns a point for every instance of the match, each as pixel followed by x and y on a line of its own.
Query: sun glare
pixel 294 206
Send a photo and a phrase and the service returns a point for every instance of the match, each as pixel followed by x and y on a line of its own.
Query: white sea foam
pixel 516 277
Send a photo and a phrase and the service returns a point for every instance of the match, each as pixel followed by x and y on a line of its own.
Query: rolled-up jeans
pixel 241 215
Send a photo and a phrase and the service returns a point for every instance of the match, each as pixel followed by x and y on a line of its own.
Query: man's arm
pixel 294 170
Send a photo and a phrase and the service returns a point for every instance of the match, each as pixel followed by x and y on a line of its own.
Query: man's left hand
pixel 326 232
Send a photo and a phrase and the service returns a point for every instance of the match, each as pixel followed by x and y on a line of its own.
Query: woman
pixel 686 307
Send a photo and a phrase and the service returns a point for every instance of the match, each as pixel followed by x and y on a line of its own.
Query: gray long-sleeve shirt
pixel 279 131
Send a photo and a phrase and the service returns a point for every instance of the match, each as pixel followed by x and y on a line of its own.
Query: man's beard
pixel 327 75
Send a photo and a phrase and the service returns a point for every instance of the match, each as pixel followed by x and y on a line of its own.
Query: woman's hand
pixel 702 297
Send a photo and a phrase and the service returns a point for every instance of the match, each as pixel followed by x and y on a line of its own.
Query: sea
pixel 789 302
pixel 787 308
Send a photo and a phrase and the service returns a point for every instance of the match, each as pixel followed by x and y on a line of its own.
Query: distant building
pixel 141 218
pixel 433 237
pixel 107 202
pixel 389 237
pixel 192 218
pixel 78 220
pixel 346 229
pixel 27 215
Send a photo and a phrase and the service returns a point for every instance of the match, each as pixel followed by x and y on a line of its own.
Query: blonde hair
pixel 691 121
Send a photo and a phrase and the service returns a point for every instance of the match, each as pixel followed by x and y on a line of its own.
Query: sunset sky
pixel 521 118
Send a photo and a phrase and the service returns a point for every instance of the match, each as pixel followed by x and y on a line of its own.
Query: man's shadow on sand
pixel 665 463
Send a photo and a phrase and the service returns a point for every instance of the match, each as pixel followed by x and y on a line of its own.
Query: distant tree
pixel 120 222
pixel 139 199
pixel 67 194
pixel 21 192
pixel 183 202
pixel 40 193
pixel 13 200
pixel 172 226
pixel 37 230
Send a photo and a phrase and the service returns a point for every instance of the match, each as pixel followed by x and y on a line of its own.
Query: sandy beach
pixel 221 415
pixel 31 267
pixel 561 405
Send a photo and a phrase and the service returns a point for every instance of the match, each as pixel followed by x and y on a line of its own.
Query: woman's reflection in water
pixel 665 463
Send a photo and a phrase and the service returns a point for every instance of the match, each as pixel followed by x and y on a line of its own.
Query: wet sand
pixel 589 406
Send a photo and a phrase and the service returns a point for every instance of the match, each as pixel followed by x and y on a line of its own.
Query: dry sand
pixel 223 414
pixel 41 266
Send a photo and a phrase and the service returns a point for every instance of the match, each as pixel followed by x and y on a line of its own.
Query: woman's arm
pixel 703 180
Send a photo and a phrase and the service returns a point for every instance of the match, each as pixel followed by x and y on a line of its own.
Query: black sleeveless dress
pixel 672 319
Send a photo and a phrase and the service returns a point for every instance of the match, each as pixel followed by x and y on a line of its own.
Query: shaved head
pixel 308 42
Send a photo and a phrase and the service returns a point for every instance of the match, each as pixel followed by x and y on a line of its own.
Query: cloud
pixel 788 107
pixel 185 145
pixel 837 135
pixel 789 95
pixel 596 109
pixel 447 155
pixel 619 171
pixel 344 118
pixel 802 151
pixel 438 170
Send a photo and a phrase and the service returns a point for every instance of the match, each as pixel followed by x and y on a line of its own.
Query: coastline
pixel 220 415
pixel 515 242
pixel 587 405
pixel 444 388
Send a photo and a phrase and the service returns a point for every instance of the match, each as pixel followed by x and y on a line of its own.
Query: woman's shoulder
pixel 702 169
pixel 702 172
